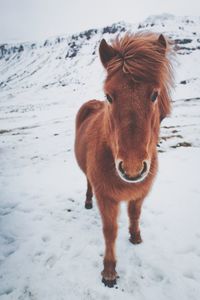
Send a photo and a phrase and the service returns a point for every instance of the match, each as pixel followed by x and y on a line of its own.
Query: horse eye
pixel 154 96
pixel 109 98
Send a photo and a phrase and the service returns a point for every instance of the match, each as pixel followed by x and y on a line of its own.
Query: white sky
pixel 38 19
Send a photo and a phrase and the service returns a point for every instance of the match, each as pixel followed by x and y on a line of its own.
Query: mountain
pixel 72 61
pixel 63 53
pixel 50 247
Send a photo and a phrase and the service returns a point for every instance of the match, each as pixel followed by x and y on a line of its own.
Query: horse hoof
pixel 88 205
pixel 109 283
pixel 135 239
pixel 135 242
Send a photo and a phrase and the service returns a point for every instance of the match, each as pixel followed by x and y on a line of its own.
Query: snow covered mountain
pixel 72 62
pixel 50 247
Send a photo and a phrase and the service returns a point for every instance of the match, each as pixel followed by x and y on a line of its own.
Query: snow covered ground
pixel 51 248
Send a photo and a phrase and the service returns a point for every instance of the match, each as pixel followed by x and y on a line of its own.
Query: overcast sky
pixel 38 19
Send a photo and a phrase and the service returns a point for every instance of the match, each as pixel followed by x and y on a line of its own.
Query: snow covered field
pixel 51 248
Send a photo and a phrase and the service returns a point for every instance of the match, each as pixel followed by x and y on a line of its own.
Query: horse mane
pixel 141 56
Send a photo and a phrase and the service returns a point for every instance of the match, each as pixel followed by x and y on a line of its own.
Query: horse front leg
pixel 134 212
pixel 109 212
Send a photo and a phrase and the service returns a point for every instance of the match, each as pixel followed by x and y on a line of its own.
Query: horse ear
pixel 162 42
pixel 106 52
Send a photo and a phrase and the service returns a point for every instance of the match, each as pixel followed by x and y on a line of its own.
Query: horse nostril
pixel 121 169
pixel 145 166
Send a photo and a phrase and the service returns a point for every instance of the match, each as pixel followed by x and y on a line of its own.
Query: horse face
pixel 133 115
pixel 136 102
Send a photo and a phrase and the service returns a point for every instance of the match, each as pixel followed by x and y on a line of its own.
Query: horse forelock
pixel 141 56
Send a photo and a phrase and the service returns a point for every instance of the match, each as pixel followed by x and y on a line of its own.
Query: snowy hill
pixel 50 247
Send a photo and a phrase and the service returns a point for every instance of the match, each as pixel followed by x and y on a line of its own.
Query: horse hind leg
pixel 134 212
pixel 89 195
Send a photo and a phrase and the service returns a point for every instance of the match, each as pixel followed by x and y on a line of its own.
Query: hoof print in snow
pixel 88 205
pixel 183 82
pixel 109 283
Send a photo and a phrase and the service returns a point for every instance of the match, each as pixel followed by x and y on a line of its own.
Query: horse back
pixel 87 110
pixel 86 130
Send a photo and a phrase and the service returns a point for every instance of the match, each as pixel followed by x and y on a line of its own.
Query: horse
pixel 116 138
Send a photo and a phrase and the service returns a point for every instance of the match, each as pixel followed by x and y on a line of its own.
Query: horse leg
pixel 109 212
pixel 134 211
pixel 89 194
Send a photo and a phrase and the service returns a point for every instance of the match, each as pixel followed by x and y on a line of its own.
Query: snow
pixel 50 246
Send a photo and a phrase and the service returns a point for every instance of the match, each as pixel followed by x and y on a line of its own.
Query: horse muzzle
pixel 142 174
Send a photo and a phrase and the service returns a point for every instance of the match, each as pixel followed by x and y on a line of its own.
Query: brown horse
pixel 116 139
